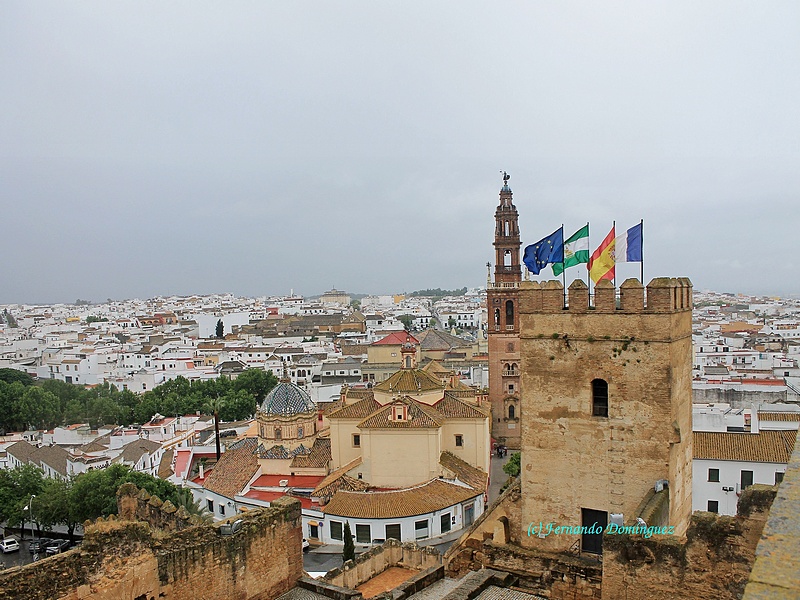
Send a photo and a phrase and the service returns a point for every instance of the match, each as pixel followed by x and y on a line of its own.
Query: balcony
pixel 510 373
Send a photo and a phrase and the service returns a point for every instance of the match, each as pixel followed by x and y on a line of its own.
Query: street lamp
pixel 30 509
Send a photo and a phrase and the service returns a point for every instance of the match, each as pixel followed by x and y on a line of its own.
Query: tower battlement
pixel 662 295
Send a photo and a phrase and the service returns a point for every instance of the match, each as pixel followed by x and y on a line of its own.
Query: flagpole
pixel 641 262
pixel 614 229
pixel 589 249
pixel 589 262
pixel 564 269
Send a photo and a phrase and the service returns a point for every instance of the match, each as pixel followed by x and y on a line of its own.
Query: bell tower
pixel 502 299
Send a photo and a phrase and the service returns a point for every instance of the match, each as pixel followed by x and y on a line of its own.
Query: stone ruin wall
pixel 130 560
pixel 391 553
pixel 713 561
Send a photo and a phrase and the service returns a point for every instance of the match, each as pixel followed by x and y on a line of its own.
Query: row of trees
pixel 25 403
pixel 26 494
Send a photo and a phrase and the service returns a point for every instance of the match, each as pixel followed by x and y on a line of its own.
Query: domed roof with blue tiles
pixel 287 399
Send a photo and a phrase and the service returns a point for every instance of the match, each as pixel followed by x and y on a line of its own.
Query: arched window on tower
pixel 512 411
pixel 277 433
pixel 408 362
pixel 507 258
pixel 509 314
pixel 497 318
pixel 507 229
pixel 599 398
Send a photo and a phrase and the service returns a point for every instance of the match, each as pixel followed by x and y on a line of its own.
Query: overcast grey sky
pixel 153 148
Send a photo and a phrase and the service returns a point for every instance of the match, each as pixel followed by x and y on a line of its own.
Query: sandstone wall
pixel 126 560
pixel 375 561
pixel 572 459
pixel 713 563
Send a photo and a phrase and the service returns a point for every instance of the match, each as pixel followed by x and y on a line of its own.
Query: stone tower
pixel 502 299
pixel 607 407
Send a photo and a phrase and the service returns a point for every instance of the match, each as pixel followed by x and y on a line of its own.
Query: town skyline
pixel 256 148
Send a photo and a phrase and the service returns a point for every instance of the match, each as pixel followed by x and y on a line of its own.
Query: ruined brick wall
pixel 125 560
pixel 375 561
pixel 713 563
pixel 572 459
pixel 557 576
pixel 134 504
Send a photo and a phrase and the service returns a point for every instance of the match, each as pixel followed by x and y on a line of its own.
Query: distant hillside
pixel 439 293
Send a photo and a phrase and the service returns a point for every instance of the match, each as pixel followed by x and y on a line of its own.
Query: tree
pixel 54 506
pixel 513 467
pixel 257 382
pixel 407 321
pixel 94 493
pixel 220 333
pixel 349 552
pixel 12 375
pixel 16 488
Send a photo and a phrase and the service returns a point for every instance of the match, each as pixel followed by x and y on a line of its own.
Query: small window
pixel 510 388
pixel 421 529
pixel 277 433
pixel 713 506
pixel 512 412
pixel 221 509
pixel 210 505
pixel 746 479
pixel 713 475
pixel 444 520
pixel 356 440
pixel 778 477
pixel 363 535
pixel 393 532
pixel 459 440
pixel 599 398
pixel 337 530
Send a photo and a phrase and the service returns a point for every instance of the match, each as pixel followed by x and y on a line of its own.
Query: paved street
pixel 496 477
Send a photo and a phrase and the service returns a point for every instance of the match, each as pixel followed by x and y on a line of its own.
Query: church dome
pixel 287 399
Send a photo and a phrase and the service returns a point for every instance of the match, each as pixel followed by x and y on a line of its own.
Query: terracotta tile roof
pixel 359 393
pixel 133 451
pixel 778 416
pixel 464 472
pixel 419 416
pixel 397 338
pixel 766 446
pixel 22 451
pixel 318 458
pixel 435 368
pixel 101 444
pixel 358 410
pixel 54 457
pixel 454 408
pixel 339 479
pixel 235 468
pixel 419 500
pixel 409 381
pixel 433 339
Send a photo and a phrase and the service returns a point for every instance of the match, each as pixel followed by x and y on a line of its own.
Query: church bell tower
pixel 502 299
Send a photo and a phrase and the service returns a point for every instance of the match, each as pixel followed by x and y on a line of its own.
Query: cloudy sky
pixel 151 148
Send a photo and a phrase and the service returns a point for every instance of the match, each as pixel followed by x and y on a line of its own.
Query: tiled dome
pixel 287 399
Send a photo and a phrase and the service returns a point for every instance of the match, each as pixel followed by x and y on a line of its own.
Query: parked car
pixel 56 546
pixel 9 545
pixel 38 545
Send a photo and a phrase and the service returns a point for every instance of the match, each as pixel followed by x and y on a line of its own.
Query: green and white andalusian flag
pixel 576 250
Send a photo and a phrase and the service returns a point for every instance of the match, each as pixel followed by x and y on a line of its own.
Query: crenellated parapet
pixel 662 295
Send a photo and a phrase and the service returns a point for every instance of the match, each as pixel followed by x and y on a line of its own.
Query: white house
pixel 727 463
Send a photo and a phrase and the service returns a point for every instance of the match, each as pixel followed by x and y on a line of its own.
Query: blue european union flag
pixel 548 250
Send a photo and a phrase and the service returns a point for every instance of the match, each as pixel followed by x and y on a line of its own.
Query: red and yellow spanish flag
pixel 601 263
